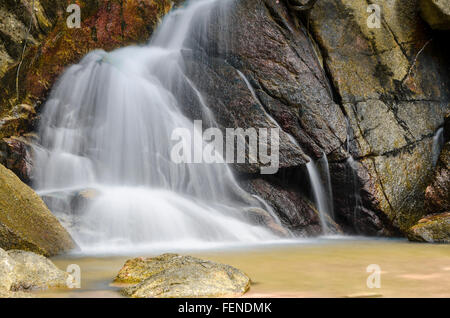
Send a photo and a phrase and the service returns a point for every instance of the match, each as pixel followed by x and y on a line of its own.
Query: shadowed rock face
pixel 438 192
pixel 174 276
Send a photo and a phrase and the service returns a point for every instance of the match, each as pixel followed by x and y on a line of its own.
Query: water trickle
pixel 323 196
pixel 352 164
pixel 107 129
pixel 438 144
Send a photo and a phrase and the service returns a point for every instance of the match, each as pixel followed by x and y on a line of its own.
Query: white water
pixel 321 195
pixel 107 128
pixel 438 144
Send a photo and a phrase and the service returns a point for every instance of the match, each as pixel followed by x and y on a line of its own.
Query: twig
pixel 23 51
pixel 415 60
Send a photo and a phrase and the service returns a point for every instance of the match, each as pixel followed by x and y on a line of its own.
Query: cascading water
pixel 438 144
pixel 106 129
pixel 322 196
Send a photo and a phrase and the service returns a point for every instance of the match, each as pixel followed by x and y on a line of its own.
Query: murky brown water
pixel 326 268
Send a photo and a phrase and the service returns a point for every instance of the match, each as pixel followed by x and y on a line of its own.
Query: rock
pixel 391 85
pixel 432 229
pixel 262 217
pixel 436 13
pixel 22 272
pixel 174 276
pixel 25 221
pixel 35 272
pixel 293 209
pixel 437 194
pixel 7 265
pixel 15 154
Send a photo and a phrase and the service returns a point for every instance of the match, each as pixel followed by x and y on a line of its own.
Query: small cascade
pixel 438 144
pixel 322 195
pixel 322 189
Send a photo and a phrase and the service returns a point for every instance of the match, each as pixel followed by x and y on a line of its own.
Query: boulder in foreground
pixel 25 221
pixel 432 229
pixel 175 276
pixel 22 271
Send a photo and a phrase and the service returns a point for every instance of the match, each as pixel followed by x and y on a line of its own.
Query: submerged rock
pixel 22 271
pixel 432 229
pixel 173 276
pixel 25 221
pixel 436 13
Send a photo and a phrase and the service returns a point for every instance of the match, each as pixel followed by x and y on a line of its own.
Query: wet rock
pixel 262 217
pixel 294 210
pixel 391 82
pixel 174 276
pixel 436 13
pixel 25 221
pixel 437 194
pixel 432 229
pixel 22 272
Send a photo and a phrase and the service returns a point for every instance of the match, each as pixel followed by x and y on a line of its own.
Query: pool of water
pixel 328 267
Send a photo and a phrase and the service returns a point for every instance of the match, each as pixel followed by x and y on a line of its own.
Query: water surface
pixel 311 268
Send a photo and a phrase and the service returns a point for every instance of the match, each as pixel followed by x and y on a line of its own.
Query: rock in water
pixel 25 271
pixel 436 13
pixel 432 229
pixel 25 221
pixel 175 276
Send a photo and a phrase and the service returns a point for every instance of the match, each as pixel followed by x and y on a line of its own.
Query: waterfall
pixel 438 144
pixel 322 195
pixel 106 132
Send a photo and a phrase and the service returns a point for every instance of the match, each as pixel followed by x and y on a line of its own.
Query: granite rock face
pixel 391 84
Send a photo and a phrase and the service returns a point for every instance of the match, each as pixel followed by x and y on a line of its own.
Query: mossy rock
pixel 175 276
pixel 432 229
pixel 25 221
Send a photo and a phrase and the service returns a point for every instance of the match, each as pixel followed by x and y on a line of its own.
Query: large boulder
pixel 174 276
pixel 25 221
pixel 432 229
pixel 22 271
pixel 436 13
